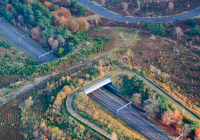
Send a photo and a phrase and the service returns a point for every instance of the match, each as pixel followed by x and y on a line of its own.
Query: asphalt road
pixel 114 16
pixel 26 44
pixel 132 119
pixel 132 73
pixel 150 84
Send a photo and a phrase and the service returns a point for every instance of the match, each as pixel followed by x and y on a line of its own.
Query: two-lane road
pixel 114 16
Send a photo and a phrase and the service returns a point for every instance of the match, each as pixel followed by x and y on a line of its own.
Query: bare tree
pixel 151 105
pixel 136 98
pixel 186 130
pixel 125 6
pixel 103 2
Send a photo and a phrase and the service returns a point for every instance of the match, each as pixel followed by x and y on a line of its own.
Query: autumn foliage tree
pixel 197 132
pixel 48 5
pixel 87 76
pixel 173 117
pixel 168 117
pixel 61 16
pixel 83 24
pixel 9 7
pixel 171 5
pixel 66 90
pixel 72 25
pixel 80 81
pixel 35 32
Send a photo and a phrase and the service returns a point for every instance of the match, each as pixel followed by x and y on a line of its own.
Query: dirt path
pixel 27 86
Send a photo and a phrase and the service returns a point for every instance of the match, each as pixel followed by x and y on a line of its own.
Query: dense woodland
pixel 45 22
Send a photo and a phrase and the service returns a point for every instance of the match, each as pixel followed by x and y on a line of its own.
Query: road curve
pixel 126 72
pixel 114 16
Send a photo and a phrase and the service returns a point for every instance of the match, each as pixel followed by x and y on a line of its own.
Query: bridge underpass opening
pixel 97 86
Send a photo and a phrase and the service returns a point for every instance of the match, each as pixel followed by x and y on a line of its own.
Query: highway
pixel 117 17
pixel 26 44
pixel 125 114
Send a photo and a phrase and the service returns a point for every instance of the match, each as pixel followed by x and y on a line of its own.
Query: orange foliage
pixel 9 7
pixel 83 24
pixel 80 81
pixel 197 132
pixel 61 16
pixel 177 117
pixel 67 90
pixel 48 5
pixel 72 25
pixel 87 76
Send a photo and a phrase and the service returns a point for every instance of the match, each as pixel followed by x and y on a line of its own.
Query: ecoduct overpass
pixel 99 94
pixel 102 83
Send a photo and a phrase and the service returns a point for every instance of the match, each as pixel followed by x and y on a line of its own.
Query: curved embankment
pixel 117 17
pixel 150 83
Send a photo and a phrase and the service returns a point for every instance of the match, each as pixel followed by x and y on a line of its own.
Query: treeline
pixel 45 22
pixel 157 29
pixel 195 30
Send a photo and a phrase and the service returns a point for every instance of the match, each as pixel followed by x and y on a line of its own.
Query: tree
pixel 80 81
pixel 197 132
pixel 9 7
pixel 195 30
pixel 159 30
pixel 67 33
pixel 74 4
pixel 151 105
pixel 81 10
pixel 192 22
pixel 62 94
pixel 83 24
pixel 48 5
pixel 171 5
pixel 136 98
pixel 35 32
pixel 125 6
pixel 72 25
pixel 87 76
pixel 177 117
pixel 194 126
pixel 163 103
pixel 61 50
pixel 67 90
pixel 8 15
pixel 186 130
pixel 168 117
pixel 103 2
pixel 141 4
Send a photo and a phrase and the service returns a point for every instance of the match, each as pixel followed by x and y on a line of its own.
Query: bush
pixel 192 22
pixel 100 22
pixel 74 4
pixel 115 24
pixel 81 10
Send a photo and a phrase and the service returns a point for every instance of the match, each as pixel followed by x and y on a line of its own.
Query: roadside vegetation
pixel 153 103
pixel 148 8
pixel 98 115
